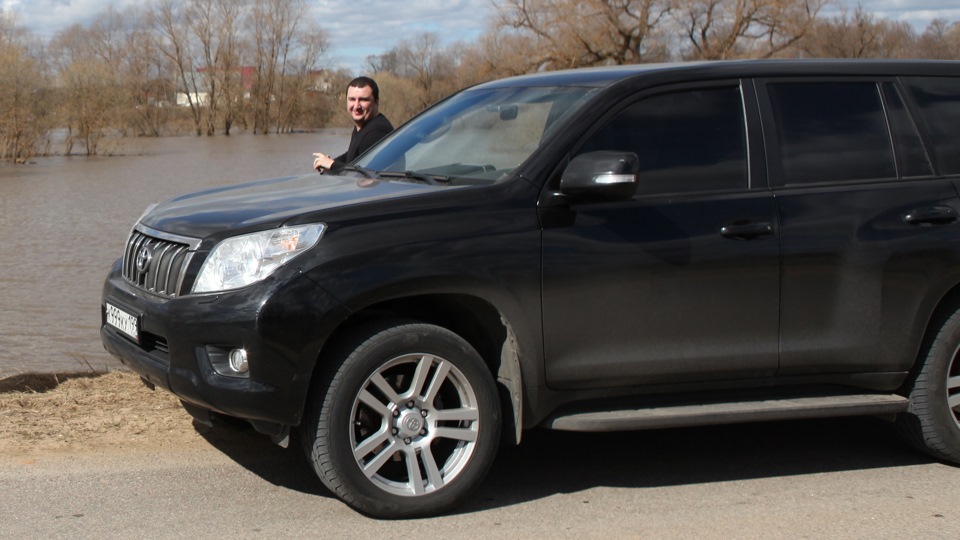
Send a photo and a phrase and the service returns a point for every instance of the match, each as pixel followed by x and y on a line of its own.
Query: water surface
pixel 63 221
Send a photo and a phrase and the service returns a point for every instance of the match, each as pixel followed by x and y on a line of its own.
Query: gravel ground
pixel 88 411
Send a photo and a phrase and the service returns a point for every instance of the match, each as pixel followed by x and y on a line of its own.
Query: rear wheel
pixel 408 424
pixel 932 422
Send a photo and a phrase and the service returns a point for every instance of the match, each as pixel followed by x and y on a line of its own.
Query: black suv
pixel 592 250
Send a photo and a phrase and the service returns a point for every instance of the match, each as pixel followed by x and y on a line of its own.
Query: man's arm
pixel 371 134
pixel 360 142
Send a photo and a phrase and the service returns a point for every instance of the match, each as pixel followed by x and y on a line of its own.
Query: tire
pixel 407 424
pixel 932 421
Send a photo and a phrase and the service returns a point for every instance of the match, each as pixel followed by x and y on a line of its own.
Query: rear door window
pixel 938 102
pixel 831 131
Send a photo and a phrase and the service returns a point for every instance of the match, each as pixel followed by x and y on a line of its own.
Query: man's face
pixel 361 105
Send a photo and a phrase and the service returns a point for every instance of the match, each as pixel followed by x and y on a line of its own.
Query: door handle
pixel 933 215
pixel 746 230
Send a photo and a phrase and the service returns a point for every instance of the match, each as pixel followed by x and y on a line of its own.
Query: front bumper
pixel 282 323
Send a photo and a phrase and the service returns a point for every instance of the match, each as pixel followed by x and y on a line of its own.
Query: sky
pixel 361 28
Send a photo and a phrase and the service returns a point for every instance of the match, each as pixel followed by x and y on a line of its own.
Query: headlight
pixel 242 260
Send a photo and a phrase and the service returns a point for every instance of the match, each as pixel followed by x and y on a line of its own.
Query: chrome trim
pixel 194 243
pixel 183 275
pixel 610 178
pixel 166 272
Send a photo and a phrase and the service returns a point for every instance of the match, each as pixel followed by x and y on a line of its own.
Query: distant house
pixel 246 75
pixel 185 97
pixel 201 99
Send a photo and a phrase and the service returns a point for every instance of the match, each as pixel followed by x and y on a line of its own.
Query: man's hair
pixel 363 82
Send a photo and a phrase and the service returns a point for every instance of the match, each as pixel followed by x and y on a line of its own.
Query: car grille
pixel 156 264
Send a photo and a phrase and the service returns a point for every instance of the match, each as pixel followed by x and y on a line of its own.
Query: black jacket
pixel 361 140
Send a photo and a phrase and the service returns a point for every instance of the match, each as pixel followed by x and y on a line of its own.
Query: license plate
pixel 123 321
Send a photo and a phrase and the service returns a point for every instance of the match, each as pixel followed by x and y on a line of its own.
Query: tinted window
pixel 913 157
pixel 938 100
pixel 686 141
pixel 831 131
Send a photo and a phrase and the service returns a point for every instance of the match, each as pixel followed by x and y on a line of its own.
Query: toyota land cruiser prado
pixel 606 249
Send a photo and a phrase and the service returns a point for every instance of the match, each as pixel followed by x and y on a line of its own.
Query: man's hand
pixel 322 162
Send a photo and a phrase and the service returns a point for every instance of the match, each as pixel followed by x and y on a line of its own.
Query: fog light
pixel 229 361
pixel 238 361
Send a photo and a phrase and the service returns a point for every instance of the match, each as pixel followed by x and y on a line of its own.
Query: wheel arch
pixel 931 424
pixel 948 304
pixel 474 319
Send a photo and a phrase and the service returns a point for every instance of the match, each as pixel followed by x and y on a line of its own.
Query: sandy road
pixel 846 478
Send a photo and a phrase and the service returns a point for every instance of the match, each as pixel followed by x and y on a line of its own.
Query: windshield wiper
pixel 433 180
pixel 369 173
pixel 429 179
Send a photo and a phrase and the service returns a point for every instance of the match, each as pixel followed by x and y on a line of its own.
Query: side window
pixel 938 100
pixel 831 131
pixel 913 158
pixel 686 141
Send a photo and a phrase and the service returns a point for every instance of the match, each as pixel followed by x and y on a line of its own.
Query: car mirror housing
pixel 601 175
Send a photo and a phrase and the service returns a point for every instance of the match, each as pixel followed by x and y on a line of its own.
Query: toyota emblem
pixel 412 423
pixel 144 257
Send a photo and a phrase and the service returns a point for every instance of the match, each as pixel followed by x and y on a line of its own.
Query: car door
pixel 680 282
pixel 866 231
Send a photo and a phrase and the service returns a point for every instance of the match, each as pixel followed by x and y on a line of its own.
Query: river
pixel 64 221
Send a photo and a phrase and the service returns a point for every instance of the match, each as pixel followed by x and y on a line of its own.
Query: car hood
pixel 268 203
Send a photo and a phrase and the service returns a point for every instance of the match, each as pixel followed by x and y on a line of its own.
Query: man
pixel 363 104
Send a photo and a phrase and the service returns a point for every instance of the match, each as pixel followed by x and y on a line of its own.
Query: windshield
pixel 476 134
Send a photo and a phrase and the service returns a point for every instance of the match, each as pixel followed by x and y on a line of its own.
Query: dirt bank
pixel 53 413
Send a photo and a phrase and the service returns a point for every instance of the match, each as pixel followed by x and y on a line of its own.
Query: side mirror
pixel 601 175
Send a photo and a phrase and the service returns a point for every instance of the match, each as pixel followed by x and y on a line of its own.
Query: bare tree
pixel 423 61
pixel 147 77
pixel 578 33
pixel 301 76
pixel 274 25
pixel 940 41
pixel 858 35
pixel 121 43
pixel 400 98
pixel 388 62
pixel 497 53
pixel 91 95
pixel 24 102
pixel 173 39
pixel 215 27
pixel 723 29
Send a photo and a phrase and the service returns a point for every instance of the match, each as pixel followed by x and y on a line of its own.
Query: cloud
pixel 918 13
pixel 368 27
pixel 47 17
